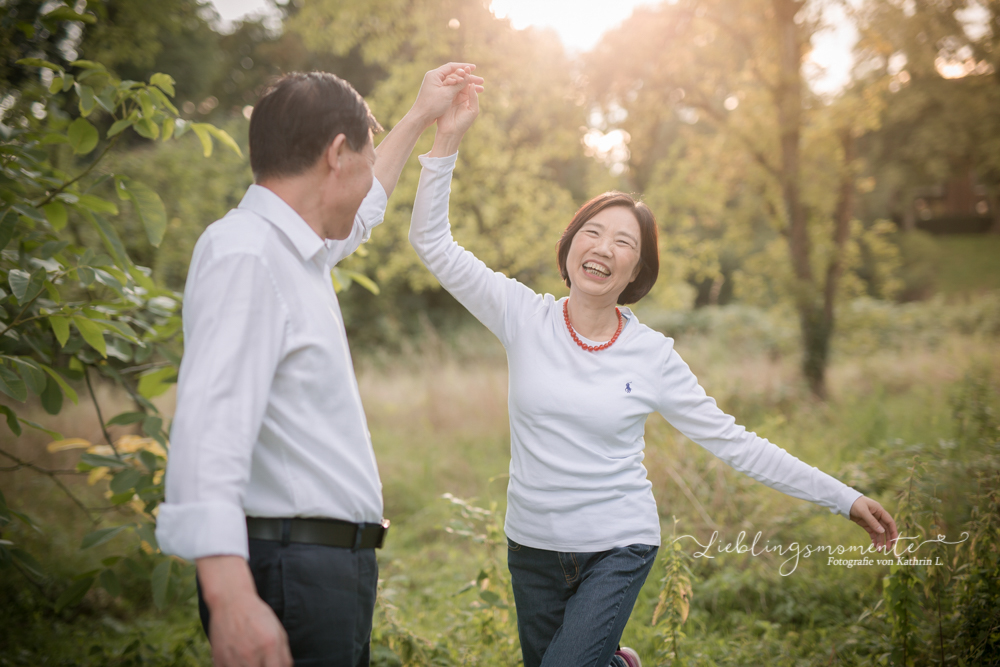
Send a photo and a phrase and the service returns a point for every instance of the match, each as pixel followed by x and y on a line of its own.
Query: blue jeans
pixel 573 607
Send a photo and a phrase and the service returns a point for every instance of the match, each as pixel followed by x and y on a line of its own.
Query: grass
pixel 968 263
pixel 438 420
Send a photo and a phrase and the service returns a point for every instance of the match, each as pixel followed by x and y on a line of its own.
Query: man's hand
pixel 440 88
pixel 453 123
pixel 243 629
pixel 871 516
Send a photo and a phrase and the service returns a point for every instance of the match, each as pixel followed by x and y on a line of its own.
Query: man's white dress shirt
pixel 269 420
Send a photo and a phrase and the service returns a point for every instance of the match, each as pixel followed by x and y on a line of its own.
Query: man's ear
pixel 335 152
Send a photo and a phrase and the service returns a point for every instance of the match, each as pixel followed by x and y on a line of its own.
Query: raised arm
pixel 491 297
pixel 690 410
pixel 437 92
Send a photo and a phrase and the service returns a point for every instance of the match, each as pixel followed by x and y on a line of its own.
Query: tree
pixel 940 61
pixel 736 153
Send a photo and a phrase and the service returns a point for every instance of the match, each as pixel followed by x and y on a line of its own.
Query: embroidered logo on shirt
pixel 628 387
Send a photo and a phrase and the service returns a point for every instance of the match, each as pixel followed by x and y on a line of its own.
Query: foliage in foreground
pixel 78 306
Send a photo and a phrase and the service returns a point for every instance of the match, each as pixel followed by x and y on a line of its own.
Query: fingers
pixel 473 98
pixel 448 68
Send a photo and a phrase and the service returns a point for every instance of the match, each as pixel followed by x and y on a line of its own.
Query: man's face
pixel 353 184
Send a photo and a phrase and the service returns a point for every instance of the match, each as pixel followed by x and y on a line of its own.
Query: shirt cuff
pixel 196 530
pixel 845 500
pixel 372 209
pixel 438 163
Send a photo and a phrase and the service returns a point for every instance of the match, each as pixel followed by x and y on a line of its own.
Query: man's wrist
pixel 224 579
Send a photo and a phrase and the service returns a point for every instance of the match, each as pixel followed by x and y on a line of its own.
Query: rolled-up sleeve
pixel 370 215
pixel 234 327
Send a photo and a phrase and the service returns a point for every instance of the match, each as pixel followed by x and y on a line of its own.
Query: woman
pixel 581 523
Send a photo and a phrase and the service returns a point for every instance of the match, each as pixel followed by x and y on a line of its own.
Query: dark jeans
pixel 324 596
pixel 573 607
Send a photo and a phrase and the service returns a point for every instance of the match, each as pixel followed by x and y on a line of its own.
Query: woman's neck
pixel 594 319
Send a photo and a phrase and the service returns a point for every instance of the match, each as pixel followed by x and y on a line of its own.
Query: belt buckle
pixel 384 525
pixel 383 528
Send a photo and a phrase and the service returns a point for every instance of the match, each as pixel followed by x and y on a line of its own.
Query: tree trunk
pixel 813 323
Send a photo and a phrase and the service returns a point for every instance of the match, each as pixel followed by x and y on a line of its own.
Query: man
pixel 272 486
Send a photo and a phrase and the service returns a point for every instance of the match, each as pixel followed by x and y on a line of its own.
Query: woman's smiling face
pixel 604 255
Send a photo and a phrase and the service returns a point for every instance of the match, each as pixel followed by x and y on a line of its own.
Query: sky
pixel 580 24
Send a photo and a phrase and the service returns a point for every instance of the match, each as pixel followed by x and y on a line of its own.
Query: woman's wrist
pixel 445 144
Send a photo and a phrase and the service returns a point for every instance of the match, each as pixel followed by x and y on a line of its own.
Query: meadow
pixel 911 421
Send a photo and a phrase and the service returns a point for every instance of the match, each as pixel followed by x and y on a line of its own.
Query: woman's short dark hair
pixel 649 253
pixel 297 118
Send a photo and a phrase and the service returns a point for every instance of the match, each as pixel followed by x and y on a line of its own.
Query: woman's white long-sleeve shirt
pixel 577 418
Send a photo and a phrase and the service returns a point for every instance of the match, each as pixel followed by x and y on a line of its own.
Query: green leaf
pixel 56 214
pixel 66 14
pixel 87 101
pixel 125 481
pixel 12 423
pixel 74 594
pixel 201 129
pixel 34 377
pixel 38 62
pixel 164 82
pixel 88 64
pixel 109 582
pixel 56 85
pixel 99 461
pixel 147 533
pixel 67 82
pixel 147 128
pixel 157 382
pixel 12 385
pixel 68 390
pixel 28 562
pixel 25 286
pixel 52 397
pixel 7 223
pixel 168 128
pixel 160 580
pixel 163 100
pixel 126 418
pixel 151 426
pixel 226 140
pixel 150 208
pixel 146 103
pixel 150 460
pixel 112 241
pixel 55 435
pixel 119 125
pixel 92 332
pixel 60 327
pixel 101 536
pixel 50 139
pixel 82 136
pixel 97 204
pixel 362 280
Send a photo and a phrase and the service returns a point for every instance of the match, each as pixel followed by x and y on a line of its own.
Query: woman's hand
pixel 456 120
pixel 871 516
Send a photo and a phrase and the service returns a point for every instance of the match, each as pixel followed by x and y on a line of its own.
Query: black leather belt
pixel 326 532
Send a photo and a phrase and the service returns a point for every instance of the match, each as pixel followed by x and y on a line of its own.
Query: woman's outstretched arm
pixel 684 403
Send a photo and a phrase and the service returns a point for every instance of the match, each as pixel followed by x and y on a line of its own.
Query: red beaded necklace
pixel 592 348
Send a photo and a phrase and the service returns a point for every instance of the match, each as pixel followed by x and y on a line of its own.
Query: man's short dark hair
pixel 299 116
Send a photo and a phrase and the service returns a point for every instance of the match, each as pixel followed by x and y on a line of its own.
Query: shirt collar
pixel 276 210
